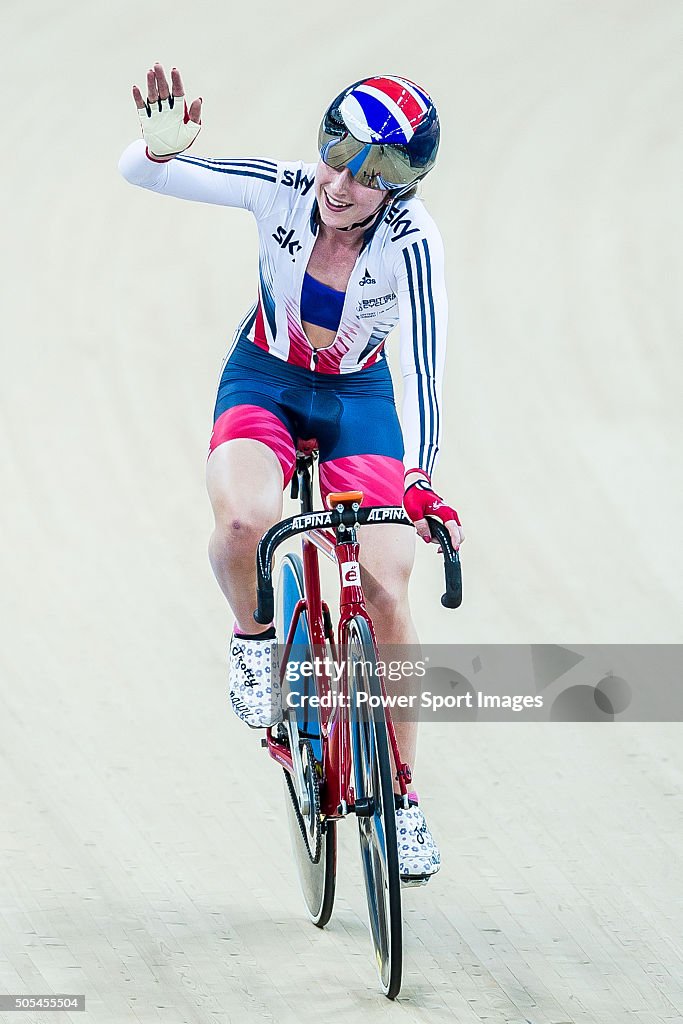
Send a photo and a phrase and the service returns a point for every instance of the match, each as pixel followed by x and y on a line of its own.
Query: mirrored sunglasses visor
pixel 375 166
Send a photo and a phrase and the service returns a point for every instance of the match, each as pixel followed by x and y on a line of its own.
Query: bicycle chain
pixel 313 855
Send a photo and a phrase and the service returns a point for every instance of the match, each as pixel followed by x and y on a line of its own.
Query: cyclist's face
pixel 342 201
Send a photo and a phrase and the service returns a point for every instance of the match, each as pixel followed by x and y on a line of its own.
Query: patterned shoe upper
pixel 255 692
pixel 418 854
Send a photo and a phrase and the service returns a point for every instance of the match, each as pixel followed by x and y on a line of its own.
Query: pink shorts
pixel 351 417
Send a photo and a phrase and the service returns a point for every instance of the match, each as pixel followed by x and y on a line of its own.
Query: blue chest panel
pixel 321 305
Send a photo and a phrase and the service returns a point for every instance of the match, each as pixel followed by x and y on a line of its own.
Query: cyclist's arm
pixel 423 312
pixel 249 184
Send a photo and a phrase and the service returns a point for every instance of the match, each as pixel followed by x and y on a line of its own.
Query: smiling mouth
pixel 333 204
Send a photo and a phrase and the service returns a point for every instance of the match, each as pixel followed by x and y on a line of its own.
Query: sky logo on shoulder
pixel 366 279
pixel 401 224
pixel 300 180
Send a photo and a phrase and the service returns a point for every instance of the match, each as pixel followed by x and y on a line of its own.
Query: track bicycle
pixel 337 739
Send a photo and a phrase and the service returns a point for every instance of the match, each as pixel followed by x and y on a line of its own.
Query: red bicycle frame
pixel 337 795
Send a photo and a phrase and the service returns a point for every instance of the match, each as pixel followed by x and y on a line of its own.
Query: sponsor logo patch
pixel 286 240
pixel 298 180
pixel 350 573
pixel 376 302
pixel 401 224
pixel 311 520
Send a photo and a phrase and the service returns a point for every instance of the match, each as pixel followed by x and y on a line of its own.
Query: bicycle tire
pixel 317 879
pixel 373 780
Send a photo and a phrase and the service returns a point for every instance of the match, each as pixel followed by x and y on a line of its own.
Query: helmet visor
pixel 371 164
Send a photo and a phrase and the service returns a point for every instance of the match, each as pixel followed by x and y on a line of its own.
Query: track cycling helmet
pixel 385 130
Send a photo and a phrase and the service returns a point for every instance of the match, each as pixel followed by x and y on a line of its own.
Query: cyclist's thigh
pixel 251 454
pixel 244 481
pixel 387 550
pixel 379 477
pixel 253 422
pixel 249 405
pixel 365 453
pixel 387 553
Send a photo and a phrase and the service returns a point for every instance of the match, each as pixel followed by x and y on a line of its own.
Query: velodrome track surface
pixel 143 853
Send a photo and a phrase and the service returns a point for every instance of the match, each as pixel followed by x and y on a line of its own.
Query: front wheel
pixel 374 796
pixel 314 841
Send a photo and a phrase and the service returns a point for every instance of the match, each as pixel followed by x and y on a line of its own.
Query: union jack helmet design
pixel 384 129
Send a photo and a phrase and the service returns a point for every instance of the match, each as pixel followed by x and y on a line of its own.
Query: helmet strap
pixel 393 196
pixel 369 219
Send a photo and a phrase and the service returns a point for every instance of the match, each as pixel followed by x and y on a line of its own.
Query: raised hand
pixel 168 126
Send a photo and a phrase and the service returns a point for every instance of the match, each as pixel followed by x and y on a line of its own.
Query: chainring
pixel 311 826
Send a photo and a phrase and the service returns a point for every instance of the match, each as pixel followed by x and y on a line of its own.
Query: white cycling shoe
pixel 418 854
pixel 255 691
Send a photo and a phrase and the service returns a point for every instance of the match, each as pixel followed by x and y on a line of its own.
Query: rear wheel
pixel 374 795
pixel 314 840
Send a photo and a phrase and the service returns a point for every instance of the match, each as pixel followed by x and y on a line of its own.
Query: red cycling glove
pixel 421 500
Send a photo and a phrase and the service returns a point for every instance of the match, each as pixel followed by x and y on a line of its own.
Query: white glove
pixel 167 128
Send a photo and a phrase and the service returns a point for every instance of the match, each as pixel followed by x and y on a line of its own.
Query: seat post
pixel 302 481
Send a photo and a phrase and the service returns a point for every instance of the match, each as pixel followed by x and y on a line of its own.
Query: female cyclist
pixel 346 252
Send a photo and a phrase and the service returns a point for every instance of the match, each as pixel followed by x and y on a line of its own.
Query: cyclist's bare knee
pixel 238 535
pixel 244 480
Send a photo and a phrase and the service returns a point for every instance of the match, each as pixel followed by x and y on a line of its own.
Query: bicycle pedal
pixel 414 883
pixel 282 735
